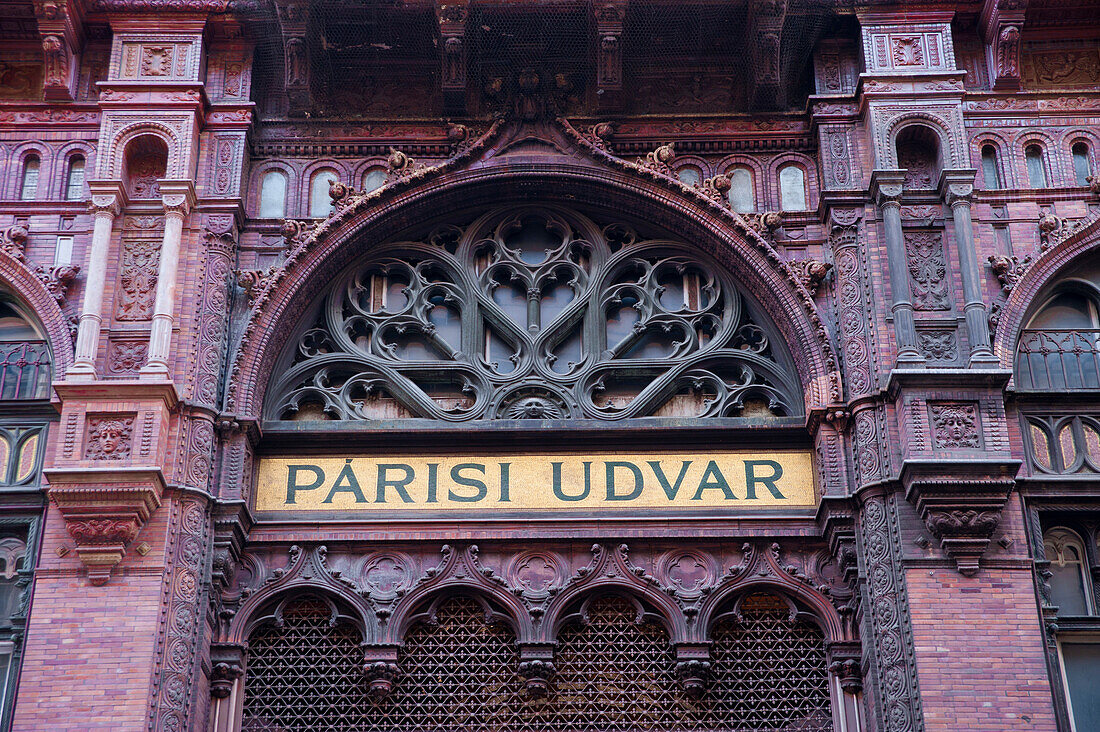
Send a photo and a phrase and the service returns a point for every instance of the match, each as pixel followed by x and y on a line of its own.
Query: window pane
pixel 273 195
pixel 1082 663
pixel 1067 589
pixel 1068 310
pixel 374 179
pixel 1036 176
pixel 74 185
pixel 792 189
pixel 1081 167
pixel 989 168
pixel 689 176
pixel 63 251
pixel 320 205
pixel 741 190
pixel 29 189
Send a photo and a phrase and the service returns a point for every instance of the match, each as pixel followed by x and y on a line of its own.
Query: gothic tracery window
pixel 1069 582
pixel 534 314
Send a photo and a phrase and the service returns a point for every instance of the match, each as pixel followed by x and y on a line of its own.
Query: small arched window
pixel 24 357
pixel 689 175
pixel 320 205
pixel 990 170
pixel 1036 170
pixel 742 194
pixel 28 184
pixel 374 179
pixel 1082 165
pixel 74 179
pixel 792 188
pixel 1069 581
pixel 273 195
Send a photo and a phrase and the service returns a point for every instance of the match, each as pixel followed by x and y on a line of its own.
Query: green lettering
pixel 433 470
pixel 397 485
pixel 457 477
pixel 560 493
pixel 292 485
pixel 670 490
pixel 751 478
pixel 713 480
pixel 346 482
pixel 611 494
pixel 504 486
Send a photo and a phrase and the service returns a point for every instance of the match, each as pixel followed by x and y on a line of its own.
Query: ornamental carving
pixel 955 425
pixel 927 270
pixel 534 313
pixel 938 345
pixel 109 438
pixel 138 279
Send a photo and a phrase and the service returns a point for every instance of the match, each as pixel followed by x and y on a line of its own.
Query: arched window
pixel 273 195
pixel 689 175
pixel 28 183
pixel 1060 347
pixel 374 179
pixel 792 188
pixel 320 204
pixel 742 193
pixel 1036 168
pixel 990 169
pixel 24 357
pixel 1070 589
pixel 1082 164
pixel 74 179
pixel 529 350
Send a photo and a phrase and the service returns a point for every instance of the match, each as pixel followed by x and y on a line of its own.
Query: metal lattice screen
pixel 614 674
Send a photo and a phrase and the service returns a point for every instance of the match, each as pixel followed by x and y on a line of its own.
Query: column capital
pixel 178 196
pixel 957 186
pixel 107 197
pixel 887 186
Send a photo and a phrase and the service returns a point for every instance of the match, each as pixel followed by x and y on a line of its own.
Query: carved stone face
pixel 110 436
pixel 955 425
pixel 533 408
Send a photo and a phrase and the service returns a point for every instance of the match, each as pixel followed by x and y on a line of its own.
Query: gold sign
pixel 610 482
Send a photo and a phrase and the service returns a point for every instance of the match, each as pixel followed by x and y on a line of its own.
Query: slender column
pixel 886 187
pixel 957 187
pixel 107 200
pixel 178 197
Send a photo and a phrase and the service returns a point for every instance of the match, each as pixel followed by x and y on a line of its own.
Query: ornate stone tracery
pixel 535 313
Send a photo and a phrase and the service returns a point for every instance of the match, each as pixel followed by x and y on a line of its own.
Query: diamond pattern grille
pixel 615 673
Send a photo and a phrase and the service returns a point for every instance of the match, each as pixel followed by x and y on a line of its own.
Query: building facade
pixel 489 365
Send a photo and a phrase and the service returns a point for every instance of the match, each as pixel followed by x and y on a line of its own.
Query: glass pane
pixel 28 451
pixel 273 195
pixel 792 189
pixel 29 189
pixel 320 205
pixel 1082 663
pixel 1069 450
pixel 1067 589
pixel 74 186
pixel 1066 311
pixel 689 176
pixel 374 179
pixel 5 455
pixel 1040 444
pixel 989 168
pixel 741 190
pixel 13 327
pixel 1036 176
pixel 1081 168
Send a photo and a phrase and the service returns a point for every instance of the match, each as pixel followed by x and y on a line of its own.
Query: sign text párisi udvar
pixel 603 482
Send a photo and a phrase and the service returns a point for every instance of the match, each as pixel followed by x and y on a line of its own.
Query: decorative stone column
pixel 178 197
pixel 886 188
pixel 107 200
pixel 957 187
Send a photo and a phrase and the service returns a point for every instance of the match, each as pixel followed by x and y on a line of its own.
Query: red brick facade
pixel 895 189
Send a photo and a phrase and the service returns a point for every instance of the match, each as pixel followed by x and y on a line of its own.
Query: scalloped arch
pixel 822 610
pixel 1048 268
pixel 656 199
pixel 26 286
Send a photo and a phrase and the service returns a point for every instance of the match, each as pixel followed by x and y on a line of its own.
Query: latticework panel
pixel 768 672
pixel 304 674
pixel 615 673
